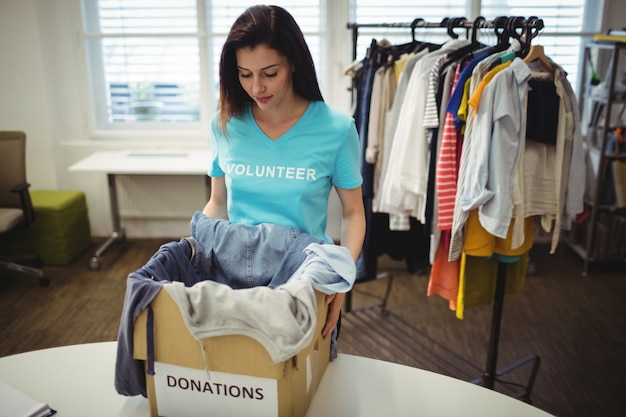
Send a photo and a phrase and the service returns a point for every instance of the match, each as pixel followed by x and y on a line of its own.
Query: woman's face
pixel 265 75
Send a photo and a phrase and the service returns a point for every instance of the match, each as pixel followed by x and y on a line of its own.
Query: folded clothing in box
pixel 252 344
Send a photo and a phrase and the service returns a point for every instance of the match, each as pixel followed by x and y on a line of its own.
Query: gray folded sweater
pixel 283 320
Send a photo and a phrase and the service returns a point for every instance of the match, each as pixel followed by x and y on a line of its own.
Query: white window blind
pixel 144 61
pixel 155 63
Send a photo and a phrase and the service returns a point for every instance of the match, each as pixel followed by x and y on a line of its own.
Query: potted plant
pixel 142 102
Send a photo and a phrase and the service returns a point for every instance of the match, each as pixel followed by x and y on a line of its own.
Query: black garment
pixel 412 246
pixel 361 116
pixel 542 111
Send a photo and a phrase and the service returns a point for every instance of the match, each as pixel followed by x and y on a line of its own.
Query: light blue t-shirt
pixel 286 181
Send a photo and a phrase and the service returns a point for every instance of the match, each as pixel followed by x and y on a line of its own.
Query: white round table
pixel 77 381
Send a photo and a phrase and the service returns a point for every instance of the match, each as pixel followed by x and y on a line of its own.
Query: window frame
pixel 98 90
pixel 97 84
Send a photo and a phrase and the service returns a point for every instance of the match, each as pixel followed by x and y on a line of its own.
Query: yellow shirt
pixel 474 101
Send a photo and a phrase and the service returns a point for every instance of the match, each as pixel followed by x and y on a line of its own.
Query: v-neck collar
pixel 287 134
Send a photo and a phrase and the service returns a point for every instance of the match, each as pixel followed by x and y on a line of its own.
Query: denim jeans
pixel 246 256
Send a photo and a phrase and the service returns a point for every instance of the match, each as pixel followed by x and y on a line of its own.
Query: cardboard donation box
pixel 236 376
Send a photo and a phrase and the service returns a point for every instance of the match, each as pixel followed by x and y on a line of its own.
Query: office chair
pixel 16 209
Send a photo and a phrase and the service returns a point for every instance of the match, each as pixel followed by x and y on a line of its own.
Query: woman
pixel 277 147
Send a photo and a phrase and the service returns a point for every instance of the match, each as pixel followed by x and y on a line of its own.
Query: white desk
pixel 140 162
pixel 78 381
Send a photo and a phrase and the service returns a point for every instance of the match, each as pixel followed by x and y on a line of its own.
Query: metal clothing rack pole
pixel 446 23
pixel 457 22
pixel 490 376
pixel 530 27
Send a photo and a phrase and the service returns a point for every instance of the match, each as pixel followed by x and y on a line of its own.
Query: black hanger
pixel 517 29
pixel 467 50
pixel 533 25
pixel 476 25
pixel 417 45
pixel 415 23
pixel 451 24
pixel 499 25
pixel 536 52
pixel 500 30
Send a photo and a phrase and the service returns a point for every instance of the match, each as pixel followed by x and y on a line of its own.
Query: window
pixel 144 61
pixel 153 64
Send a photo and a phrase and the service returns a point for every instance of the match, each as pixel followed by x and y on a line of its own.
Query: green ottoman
pixel 61 229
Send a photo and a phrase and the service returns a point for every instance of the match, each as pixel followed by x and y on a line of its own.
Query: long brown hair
pixel 276 28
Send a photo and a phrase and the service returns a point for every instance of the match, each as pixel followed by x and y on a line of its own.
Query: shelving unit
pixel 600 236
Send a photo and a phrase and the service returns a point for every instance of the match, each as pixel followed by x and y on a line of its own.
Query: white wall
pixel 613 14
pixel 23 101
pixel 42 79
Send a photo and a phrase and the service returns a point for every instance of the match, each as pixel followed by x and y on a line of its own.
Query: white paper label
pixel 189 392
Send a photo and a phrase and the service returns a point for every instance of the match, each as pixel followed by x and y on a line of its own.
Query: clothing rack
pixel 524 30
pixel 501 24
pixel 416 23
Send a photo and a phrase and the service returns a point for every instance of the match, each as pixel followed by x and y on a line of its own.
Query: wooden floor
pixel 576 325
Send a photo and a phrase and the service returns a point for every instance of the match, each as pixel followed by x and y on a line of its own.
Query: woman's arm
pixel 352 235
pixel 216 207
pixel 352 220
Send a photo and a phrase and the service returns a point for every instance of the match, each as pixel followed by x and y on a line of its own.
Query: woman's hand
pixel 336 302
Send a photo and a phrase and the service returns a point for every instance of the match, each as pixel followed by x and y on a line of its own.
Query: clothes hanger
pixel 474 44
pixel 478 23
pixel 415 45
pixel 536 52
pixel 474 48
pixel 415 23
pixel 516 29
pixel 451 24
pixel 352 66
pixel 499 29
pixel 467 49
pixel 512 25
pixel 503 30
